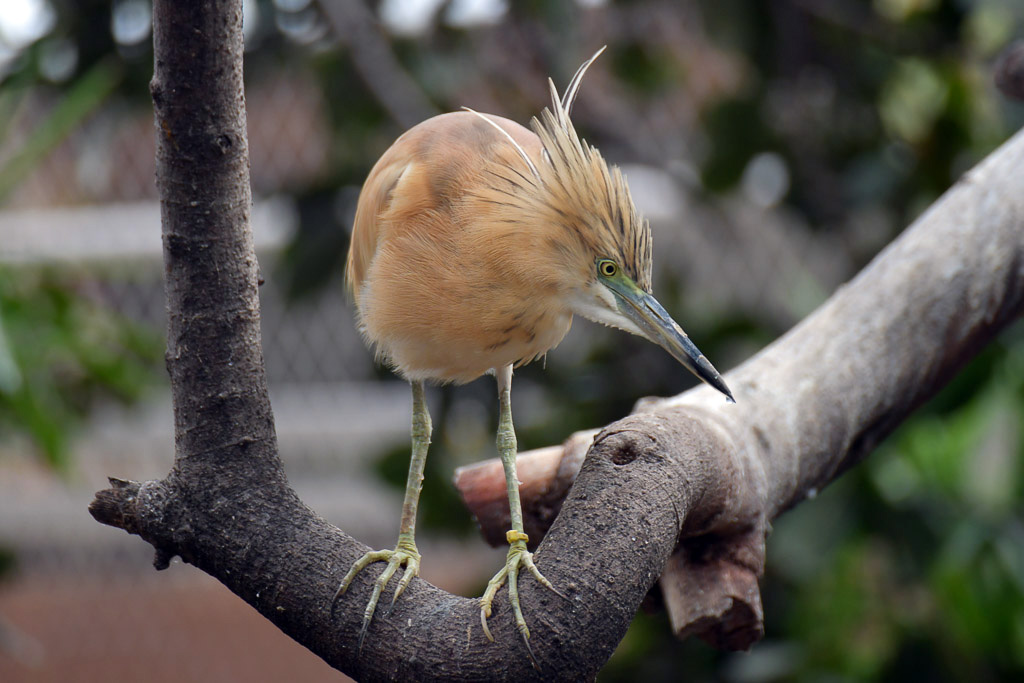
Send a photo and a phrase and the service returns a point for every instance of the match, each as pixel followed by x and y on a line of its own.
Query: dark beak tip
pixel 707 372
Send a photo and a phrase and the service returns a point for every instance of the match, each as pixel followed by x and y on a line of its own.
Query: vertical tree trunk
pixel 202 162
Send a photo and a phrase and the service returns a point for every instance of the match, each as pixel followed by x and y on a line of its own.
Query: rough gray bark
pixel 809 406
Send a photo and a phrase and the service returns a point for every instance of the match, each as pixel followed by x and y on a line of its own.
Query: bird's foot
pixel 518 557
pixel 405 553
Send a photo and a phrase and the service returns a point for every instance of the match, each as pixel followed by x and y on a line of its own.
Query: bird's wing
pixel 423 173
pixel 373 201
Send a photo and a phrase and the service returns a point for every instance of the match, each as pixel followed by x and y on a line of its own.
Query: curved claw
pixel 528 561
pixel 513 598
pixel 404 554
pixel 412 569
pixel 358 566
pixel 518 557
pixel 488 597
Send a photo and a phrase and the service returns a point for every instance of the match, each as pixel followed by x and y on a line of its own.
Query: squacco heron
pixel 475 242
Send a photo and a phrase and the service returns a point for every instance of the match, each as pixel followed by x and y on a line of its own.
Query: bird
pixel 475 242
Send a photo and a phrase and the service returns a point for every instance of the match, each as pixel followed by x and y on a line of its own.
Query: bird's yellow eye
pixel 607 268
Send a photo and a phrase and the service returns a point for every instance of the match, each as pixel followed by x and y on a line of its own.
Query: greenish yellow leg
pixel 518 556
pixel 405 552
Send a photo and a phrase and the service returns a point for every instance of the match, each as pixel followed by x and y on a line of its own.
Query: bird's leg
pixel 405 552
pixel 518 555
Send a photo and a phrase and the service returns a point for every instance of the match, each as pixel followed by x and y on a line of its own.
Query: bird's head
pixel 599 250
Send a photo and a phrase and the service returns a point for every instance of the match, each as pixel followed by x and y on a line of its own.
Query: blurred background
pixel 775 148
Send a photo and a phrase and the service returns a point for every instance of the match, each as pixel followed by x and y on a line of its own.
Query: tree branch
pixel 820 398
pixel 810 406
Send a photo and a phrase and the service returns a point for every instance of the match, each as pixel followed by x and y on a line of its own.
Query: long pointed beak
pixel 658 326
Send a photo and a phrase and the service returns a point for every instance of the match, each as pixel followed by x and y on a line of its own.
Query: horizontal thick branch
pixel 821 397
pixel 604 553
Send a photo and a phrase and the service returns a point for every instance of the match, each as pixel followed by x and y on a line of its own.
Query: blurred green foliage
pixel 908 568
pixel 60 353
pixel 920 573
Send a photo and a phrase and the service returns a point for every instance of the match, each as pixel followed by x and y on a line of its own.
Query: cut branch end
pixel 116 506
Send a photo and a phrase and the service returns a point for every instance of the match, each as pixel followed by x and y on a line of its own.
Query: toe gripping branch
pixel 404 554
pixel 518 557
pixel 710 583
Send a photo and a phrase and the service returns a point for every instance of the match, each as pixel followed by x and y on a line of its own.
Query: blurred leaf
pixel 989 27
pixel 69 353
pixel 912 100
pixel 82 99
pixel 10 376
pixel 901 10
pixel 8 562
pixel 738 130
pixel 644 69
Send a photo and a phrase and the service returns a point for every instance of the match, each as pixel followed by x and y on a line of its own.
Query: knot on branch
pixel 710 588
pixel 629 439
pixel 117 506
pixel 134 506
